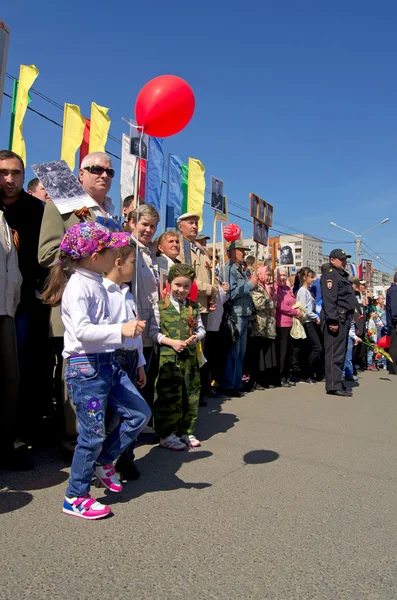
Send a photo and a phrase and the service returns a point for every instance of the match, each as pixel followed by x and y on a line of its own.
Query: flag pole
pixel 213 251
pixel 13 109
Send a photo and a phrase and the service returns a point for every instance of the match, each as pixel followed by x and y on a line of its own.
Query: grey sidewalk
pixel 293 495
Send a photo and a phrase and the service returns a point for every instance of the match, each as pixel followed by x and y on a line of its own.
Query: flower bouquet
pixel 377 350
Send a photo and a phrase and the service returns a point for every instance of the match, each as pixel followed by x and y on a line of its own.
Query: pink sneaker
pixel 106 474
pixel 85 508
pixel 190 441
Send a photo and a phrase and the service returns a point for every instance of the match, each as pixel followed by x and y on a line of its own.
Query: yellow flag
pixel 73 131
pixel 99 130
pixel 196 188
pixel 27 76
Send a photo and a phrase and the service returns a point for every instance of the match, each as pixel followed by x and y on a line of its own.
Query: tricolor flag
pixel 186 187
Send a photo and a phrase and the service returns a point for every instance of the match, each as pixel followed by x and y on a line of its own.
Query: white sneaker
pixel 190 440
pixel 172 442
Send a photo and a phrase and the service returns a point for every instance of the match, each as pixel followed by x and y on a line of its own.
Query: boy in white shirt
pixel 130 357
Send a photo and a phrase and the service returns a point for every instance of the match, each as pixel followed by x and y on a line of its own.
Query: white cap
pixel 187 216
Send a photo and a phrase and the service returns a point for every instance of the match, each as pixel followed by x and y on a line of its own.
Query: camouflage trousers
pixel 177 395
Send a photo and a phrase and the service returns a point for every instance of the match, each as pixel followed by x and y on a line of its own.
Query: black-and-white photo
pixel 217 202
pixel 261 214
pixel 287 255
pixel 139 147
pixel 257 231
pixel 265 235
pixel 269 215
pixel 62 186
pixel 254 206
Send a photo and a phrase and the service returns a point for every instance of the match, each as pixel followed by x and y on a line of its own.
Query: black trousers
pixel 335 347
pixel 393 350
pixel 315 349
pixel 284 347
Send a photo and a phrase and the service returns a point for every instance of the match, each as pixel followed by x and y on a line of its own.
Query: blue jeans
pixel 348 368
pixel 235 358
pixel 95 382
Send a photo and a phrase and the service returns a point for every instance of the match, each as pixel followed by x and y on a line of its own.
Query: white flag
pixel 128 162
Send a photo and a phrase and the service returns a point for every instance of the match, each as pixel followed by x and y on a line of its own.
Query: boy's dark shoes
pixel 127 468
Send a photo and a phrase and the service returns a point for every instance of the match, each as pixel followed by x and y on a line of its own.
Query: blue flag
pixel 154 173
pixel 175 192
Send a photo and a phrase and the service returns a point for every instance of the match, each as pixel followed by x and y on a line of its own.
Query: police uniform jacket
pixel 339 298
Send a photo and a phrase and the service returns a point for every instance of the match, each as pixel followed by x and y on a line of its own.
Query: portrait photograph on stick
pixel 254 206
pixel 216 201
pixel 287 255
pixel 223 216
pixel 269 215
pixel 139 148
pixel 265 235
pixel 257 231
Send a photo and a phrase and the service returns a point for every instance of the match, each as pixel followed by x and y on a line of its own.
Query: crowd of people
pixel 92 334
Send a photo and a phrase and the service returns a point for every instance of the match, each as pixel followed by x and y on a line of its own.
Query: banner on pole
pixel 128 163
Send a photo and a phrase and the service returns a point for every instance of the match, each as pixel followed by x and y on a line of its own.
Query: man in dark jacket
pixel 24 214
pixel 391 323
pixel 338 306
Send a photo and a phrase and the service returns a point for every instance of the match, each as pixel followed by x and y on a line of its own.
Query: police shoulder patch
pixel 329 284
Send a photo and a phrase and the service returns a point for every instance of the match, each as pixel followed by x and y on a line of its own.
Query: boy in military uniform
pixel 178 384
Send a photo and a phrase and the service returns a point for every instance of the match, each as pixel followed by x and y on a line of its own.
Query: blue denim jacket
pixel 240 290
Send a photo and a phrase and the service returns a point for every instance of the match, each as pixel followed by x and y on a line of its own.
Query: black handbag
pixel 228 327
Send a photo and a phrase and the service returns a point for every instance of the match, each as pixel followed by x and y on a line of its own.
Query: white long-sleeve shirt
pixel 123 309
pixel 89 328
pixel 306 299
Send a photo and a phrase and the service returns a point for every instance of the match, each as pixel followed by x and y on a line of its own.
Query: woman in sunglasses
pixel 95 175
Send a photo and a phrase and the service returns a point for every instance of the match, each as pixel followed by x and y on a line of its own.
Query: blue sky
pixel 295 101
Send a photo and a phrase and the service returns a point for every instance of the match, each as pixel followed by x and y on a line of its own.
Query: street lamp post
pixel 359 238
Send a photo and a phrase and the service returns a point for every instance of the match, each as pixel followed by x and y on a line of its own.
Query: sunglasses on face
pixel 97 170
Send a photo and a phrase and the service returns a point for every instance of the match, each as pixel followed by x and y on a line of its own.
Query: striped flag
pixel 154 174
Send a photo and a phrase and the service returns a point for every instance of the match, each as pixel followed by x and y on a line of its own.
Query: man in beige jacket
pixel 194 255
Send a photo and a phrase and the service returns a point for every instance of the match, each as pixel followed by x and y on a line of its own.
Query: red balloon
pixel 384 342
pixel 164 106
pixel 231 232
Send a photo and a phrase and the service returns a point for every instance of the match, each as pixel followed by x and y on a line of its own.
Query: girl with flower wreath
pixel 94 379
pixel 179 329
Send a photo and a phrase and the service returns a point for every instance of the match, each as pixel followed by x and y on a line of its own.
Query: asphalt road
pixel 293 495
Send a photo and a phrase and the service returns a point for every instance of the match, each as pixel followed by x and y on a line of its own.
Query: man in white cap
pixel 194 255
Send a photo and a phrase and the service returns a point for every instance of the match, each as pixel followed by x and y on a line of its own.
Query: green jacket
pixel 175 325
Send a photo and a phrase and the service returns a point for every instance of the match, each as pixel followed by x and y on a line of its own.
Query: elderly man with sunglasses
pixel 95 174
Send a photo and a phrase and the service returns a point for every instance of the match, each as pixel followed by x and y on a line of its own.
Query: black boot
pixel 127 468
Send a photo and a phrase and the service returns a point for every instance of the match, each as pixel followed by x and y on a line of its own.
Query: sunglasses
pixel 97 170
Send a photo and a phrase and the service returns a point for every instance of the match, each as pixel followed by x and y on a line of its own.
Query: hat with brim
pixel 187 215
pixel 201 236
pixel 339 253
pixel 237 245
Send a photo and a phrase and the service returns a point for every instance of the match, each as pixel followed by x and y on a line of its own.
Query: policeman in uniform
pixel 338 306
